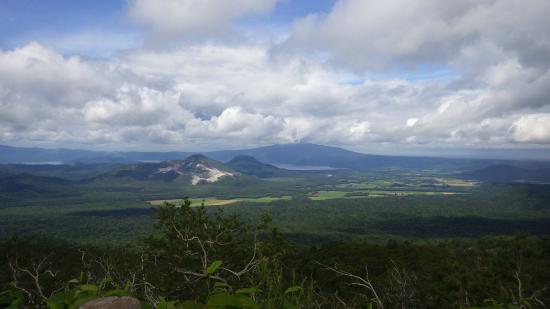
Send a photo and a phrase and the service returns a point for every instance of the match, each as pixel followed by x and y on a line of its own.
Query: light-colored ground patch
pixel 211 175
pixel 457 182
pixel 221 202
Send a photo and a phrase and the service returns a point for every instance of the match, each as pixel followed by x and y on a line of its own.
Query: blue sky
pixel 54 22
pixel 394 77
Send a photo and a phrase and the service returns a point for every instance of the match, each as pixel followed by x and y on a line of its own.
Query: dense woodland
pixel 194 258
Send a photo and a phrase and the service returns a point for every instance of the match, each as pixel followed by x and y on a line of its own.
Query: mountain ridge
pixel 301 154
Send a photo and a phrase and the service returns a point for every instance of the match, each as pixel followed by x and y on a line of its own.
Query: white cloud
pixel 170 19
pixel 38 85
pixel 533 129
pixel 411 122
pixel 238 95
pixel 371 34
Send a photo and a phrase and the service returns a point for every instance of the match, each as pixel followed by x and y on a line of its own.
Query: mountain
pixel 508 173
pixel 196 169
pixel 305 154
pixel 21 154
pixel 250 166
pixel 301 154
pixel 297 154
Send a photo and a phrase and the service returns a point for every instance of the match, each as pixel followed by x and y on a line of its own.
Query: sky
pixel 424 77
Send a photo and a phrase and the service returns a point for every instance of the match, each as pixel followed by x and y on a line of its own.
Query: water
pixel 43 163
pixel 295 167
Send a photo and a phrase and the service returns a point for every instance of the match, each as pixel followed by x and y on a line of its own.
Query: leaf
pixel 214 266
pixel 293 289
pixel 106 280
pixel 11 300
pixel 221 285
pixel 225 300
pixel 89 288
pixel 118 292
pixel 191 304
pixel 58 300
pixel 248 291
pixel 164 305
pixel 81 301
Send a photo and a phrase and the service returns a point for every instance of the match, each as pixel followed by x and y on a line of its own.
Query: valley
pixel 94 202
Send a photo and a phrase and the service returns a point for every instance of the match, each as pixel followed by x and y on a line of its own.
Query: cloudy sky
pixel 396 76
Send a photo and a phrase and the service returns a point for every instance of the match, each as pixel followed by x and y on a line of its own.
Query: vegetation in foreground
pixel 197 260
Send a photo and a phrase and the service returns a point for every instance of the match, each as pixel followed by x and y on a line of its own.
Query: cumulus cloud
pixel 499 50
pixel 533 128
pixel 169 19
pixel 37 85
pixel 236 95
pixel 239 94
pixel 370 34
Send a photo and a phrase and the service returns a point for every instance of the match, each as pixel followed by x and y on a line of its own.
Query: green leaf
pixel 118 292
pixel 248 291
pixel 225 300
pixel 191 304
pixel 81 301
pixel 214 266
pixel 221 285
pixel 89 288
pixel 164 305
pixel 11 299
pixel 293 289
pixel 58 300
pixel 106 280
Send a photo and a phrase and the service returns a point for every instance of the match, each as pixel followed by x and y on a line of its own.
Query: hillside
pixel 26 182
pixel 250 166
pixel 196 169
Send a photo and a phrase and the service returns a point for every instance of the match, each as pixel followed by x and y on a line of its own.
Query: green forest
pixel 194 259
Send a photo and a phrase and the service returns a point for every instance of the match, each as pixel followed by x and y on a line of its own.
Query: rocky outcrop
pixel 112 303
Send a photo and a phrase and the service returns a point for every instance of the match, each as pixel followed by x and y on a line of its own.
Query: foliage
pixel 198 259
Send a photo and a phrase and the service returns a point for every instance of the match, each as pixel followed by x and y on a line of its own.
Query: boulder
pixel 112 303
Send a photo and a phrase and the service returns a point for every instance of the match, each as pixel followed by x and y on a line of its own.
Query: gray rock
pixel 112 303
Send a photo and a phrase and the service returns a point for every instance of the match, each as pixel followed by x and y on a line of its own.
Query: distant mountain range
pixel 302 154
pixel 196 169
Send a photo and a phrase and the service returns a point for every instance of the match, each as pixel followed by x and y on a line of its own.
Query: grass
pixel 327 195
pixel 330 195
